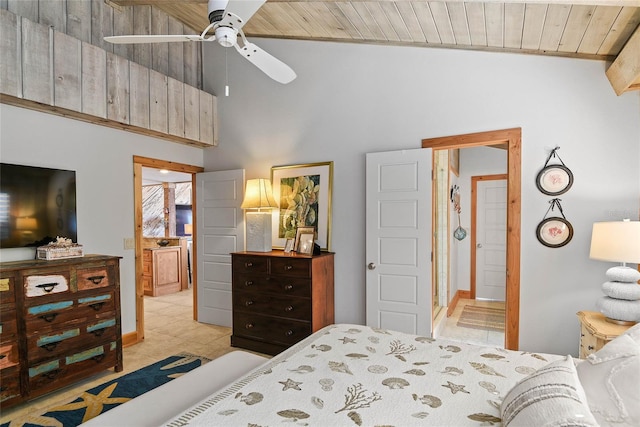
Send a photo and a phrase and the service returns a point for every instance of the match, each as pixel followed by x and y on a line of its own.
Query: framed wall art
pixel 303 193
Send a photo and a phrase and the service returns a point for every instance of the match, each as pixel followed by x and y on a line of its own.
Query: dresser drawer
pixel 273 305
pixel 36 286
pixel 9 355
pixel 93 278
pixel 270 329
pixel 55 315
pixel 53 374
pixel 7 292
pixel 299 287
pixel 9 384
pixel 250 264
pixel 291 267
pixel 588 342
pixel 8 325
pixel 55 343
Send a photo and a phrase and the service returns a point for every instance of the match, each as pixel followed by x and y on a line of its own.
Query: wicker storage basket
pixel 53 252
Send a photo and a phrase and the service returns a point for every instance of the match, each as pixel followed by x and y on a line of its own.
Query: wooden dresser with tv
pixel 59 323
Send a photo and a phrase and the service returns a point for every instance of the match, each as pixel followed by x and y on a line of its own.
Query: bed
pixel 353 375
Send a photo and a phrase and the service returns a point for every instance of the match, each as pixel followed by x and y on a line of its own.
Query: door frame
pixel 138 163
pixel 474 213
pixel 511 139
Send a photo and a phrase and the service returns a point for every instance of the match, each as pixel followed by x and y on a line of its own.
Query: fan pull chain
pixel 226 71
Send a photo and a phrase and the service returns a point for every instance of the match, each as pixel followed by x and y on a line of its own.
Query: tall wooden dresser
pixel 280 298
pixel 60 322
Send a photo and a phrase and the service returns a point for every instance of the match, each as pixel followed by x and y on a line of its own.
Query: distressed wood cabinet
pixel 595 332
pixel 279 299
pixel 162 270
pixel 60 322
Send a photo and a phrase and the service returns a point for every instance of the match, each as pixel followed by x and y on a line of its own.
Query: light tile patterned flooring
pixel 169 329
pixel 474 336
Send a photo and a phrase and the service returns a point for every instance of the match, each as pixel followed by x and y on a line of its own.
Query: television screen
pixel 36 205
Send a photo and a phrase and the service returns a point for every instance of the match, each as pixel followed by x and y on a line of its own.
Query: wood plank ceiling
pixel 606 30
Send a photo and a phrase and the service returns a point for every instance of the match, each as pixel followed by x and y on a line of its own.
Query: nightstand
pixel 595 332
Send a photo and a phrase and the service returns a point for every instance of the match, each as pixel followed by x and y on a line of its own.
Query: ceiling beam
pixel 635 3
pixel 624 73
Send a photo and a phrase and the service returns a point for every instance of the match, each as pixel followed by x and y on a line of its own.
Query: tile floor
pixel 474 336
pixel 169 329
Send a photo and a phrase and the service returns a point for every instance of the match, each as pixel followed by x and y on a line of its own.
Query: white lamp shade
pixel 258 195
pixel 617 241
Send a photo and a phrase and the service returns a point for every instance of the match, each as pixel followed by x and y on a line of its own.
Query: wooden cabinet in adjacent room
pixel 162 270
pixel 60 323
pixel 280 298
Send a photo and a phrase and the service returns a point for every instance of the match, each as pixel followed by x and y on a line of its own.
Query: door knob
pixel 371 266
pixel 479 245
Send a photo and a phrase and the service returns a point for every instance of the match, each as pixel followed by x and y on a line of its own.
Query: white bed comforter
pixel 347 375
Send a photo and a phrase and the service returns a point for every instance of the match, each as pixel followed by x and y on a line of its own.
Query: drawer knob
pixel 2 356
pixel 50 346
pixel 288 287
pixel 95 279
pixel 288 267
pixel 99 358
pixel 47 287
pixel 248 326
pixel 98 332
pixel 52 374
pixel 248 264
pixel 288 308
pixel 590 347
pixel 248 303
pixel 49 317
pixel 248 283
pixel 289 333
pixel 97 306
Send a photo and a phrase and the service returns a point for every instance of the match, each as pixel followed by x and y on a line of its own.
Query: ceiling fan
pixel 226 17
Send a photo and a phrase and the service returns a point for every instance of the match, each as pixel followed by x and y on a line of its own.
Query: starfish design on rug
pixel 455 387
pixel 93 403
pixel 39 420
pixel 289 383
pixel 346 340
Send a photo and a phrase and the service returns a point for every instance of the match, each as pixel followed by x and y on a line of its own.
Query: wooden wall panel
pixel 117 88
pixel 206 117
pixel 101 24
pixel 176 51
pixel 139 95
pixel 10 65
pixel 191 112
pixel 53 14
pixel 160 51
pixel 175 107
pixel 192 64
pixel 26 9
pixel 122 26
pixel 142 25
pixel 79 20
pixel 94 80
pixel 37 82
pixel 158 102
pixel 67 71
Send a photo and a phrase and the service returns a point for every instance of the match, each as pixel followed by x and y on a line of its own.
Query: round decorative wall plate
pixel 554 180
pixel 554 232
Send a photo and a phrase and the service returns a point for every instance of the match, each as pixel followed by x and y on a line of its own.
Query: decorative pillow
pixel 611 380
pixel 551 396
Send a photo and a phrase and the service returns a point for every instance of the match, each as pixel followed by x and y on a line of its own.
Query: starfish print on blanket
pixel 289 383
pixel 455 387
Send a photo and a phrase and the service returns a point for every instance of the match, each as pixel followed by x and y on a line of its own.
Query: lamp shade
pixel 617 241
pixel 26 223
pixel 258 195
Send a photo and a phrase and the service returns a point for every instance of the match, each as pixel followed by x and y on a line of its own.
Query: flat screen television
pixel 36 205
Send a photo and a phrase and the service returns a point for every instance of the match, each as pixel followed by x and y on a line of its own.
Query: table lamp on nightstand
pixel 258 195
pixel 618 241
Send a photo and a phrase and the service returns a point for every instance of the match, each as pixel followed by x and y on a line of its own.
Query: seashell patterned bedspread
pixel 353 375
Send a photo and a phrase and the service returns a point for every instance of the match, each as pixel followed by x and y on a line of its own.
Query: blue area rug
pixel 112 393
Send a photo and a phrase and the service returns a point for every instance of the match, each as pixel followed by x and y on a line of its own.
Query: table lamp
pixel 258 195
pixel 618 241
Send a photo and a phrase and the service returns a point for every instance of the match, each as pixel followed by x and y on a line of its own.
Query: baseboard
pixel 454 301
pixel 129 339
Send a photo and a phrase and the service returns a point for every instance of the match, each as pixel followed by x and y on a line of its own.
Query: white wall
pixel 103 160
pixel 352 99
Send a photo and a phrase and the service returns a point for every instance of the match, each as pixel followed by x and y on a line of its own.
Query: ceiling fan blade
pixel 270 65
pixel 238 12
pixel 154 39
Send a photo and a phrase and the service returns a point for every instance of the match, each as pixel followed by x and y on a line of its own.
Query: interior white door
pixel 220 232
pixel 398 234
pixel 491 239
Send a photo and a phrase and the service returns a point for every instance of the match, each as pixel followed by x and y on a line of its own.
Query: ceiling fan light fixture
pixel 226 36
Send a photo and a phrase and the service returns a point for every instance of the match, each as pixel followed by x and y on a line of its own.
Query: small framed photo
pixel 299 232
pixel 305 246
pixel 288 245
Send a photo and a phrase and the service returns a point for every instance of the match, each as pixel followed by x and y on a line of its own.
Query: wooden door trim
pixel 474 237
pixel 512 139
pixel 138 163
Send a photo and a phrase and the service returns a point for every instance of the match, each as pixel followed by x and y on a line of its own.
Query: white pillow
pixel 551 396
pixel 611 380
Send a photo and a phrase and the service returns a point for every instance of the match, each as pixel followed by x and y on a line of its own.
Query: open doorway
pixel 510 140
pixel 186 256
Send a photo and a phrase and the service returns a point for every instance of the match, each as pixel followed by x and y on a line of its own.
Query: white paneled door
pixel 220 232
pixel 491 239
pixel 398 233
